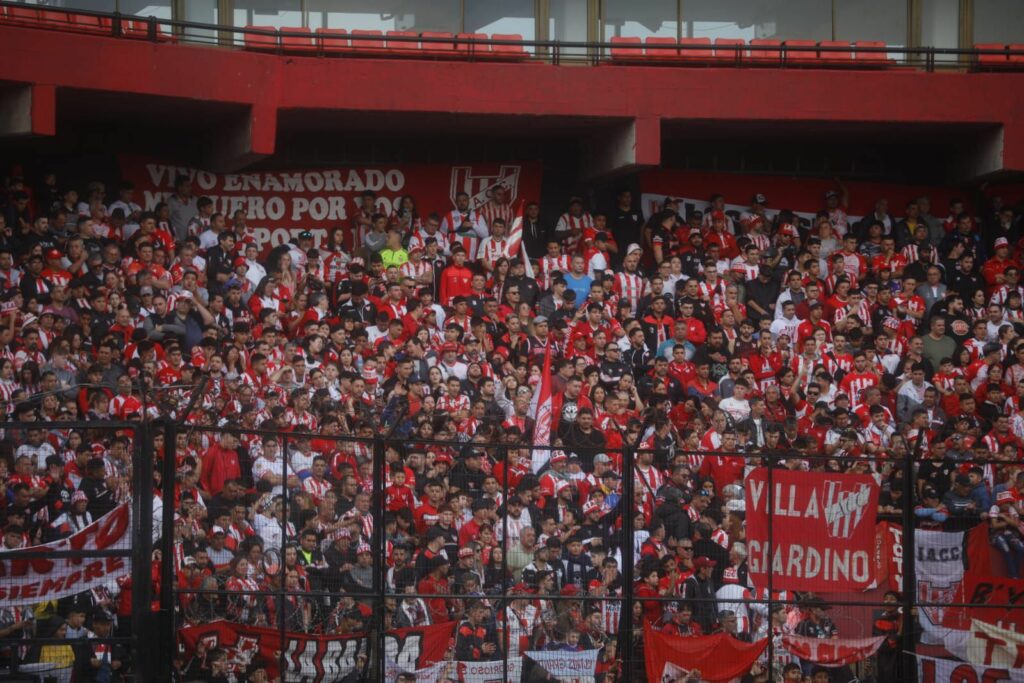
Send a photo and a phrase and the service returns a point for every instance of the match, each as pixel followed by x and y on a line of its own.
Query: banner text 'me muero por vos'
pixel 279 204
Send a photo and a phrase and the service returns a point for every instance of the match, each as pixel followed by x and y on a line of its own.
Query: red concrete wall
pixel 270 82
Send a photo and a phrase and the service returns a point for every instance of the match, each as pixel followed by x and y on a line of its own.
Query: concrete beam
pixel 630 146
pixel 244 141
pixel 28 110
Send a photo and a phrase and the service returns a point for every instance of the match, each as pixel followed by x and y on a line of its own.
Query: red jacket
pixel 219 465
pixel 455 281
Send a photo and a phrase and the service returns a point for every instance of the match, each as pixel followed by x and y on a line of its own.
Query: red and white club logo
pixel 845 507
pixel 478 185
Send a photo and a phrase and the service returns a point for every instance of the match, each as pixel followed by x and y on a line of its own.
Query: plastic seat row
pixel 1010 55
pixel 391 43
pixel 760 50
pixel 72 21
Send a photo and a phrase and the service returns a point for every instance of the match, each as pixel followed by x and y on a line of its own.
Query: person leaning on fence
pixel 475 638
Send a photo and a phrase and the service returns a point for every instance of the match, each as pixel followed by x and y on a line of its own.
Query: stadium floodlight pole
pixel 909 586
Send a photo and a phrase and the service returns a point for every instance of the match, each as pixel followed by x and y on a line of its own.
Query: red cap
pixel 54 254
pixel 450 346
pixel 240 261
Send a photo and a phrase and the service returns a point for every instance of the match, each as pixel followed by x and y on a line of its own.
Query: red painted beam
pixel 268 83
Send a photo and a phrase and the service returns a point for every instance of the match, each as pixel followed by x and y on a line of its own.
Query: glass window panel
pixel 161 9
pixel 91 5
pixel 640 19
pixel 567 21
pixel 749 19
pixel 940 23
pixel 276 13
pixel 998 21
pixel 201 12
pixel 872 20
pixel 384 15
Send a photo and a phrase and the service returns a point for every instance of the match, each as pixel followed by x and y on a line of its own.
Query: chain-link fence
pixel 300 556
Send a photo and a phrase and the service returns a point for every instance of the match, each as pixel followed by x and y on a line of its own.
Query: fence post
pixel 909 586
pixel 771 565
pixel 380 580
pixel 142 532
pixel 628 560
pixel 168 488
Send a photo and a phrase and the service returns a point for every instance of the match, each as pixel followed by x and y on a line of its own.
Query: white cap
pixel 633 247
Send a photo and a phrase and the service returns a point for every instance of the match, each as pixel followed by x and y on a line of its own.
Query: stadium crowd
pixel 712 343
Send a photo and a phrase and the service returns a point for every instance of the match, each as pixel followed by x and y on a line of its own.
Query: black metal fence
pixel 289 587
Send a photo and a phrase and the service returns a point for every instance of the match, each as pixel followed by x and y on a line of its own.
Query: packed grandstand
pixel 501 368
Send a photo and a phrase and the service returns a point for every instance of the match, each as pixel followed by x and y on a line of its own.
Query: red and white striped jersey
pixel 451 404
pixel 492 249
pixel 630 287
pixel 749 271
pixel 549 264
pixel 317 488
pixel 454 219
pixel 569 222
pixel 491 211
pixel 415 270
pixel 419 239
pixel 469 242
pixel 1002 293
pixel 714 294
pixel 910 252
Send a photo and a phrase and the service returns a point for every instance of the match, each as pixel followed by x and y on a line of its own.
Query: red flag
pixel 542 415
pixel 832 652
pixel 718 658
pixel 515 239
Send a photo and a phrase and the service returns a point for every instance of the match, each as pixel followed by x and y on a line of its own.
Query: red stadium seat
pixel 471 48
pixel 992 60
pixel 403 47
pixel 725 53
pixel 837 56
pixel 508 51
pixel 863 58
pixel 49 18
pixel 700 55
pixel 660 47
pixel 25 15
pixel 297 40
pixel 333 40
pixel 442 49
pixel 91 24
pixel 801 55
pixel 1017 58
pixel 620 52
pixel 372 42
pixel 761 51
pixel 261 41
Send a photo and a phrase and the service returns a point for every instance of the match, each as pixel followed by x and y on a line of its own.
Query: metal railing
pixel 463 47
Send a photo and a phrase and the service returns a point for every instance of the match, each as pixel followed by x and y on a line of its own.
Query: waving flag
pixel 515 238
pixel 542 415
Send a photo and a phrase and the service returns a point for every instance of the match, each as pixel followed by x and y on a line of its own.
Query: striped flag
pixel 542 415
pixel 515 238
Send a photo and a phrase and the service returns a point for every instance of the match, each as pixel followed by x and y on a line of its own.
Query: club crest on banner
pixel 845 507
pixel 478 185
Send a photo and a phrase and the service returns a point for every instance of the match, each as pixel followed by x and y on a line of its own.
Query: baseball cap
pixel 53 254
pixel 305 235
pixel 540 320
pixel 703 561
pixel 79 496
pixel 633 247
pixel 240 261
pixel 759 199
pixel 465 552
pixel 1001 242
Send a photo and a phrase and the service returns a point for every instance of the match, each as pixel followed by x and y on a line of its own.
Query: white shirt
pixel 738 410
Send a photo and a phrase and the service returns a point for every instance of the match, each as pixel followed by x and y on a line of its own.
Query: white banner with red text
pixel 932 670
pixel 41 577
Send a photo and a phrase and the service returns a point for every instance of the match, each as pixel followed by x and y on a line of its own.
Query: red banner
pixel 832 652
pixel 823 532
pixel 316 658
pixel 718 658
pixel 891 538
pixel 41 577
pixel 281 204
pixel 1004 595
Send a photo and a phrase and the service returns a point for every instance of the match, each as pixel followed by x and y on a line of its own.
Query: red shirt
pixel 219 465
